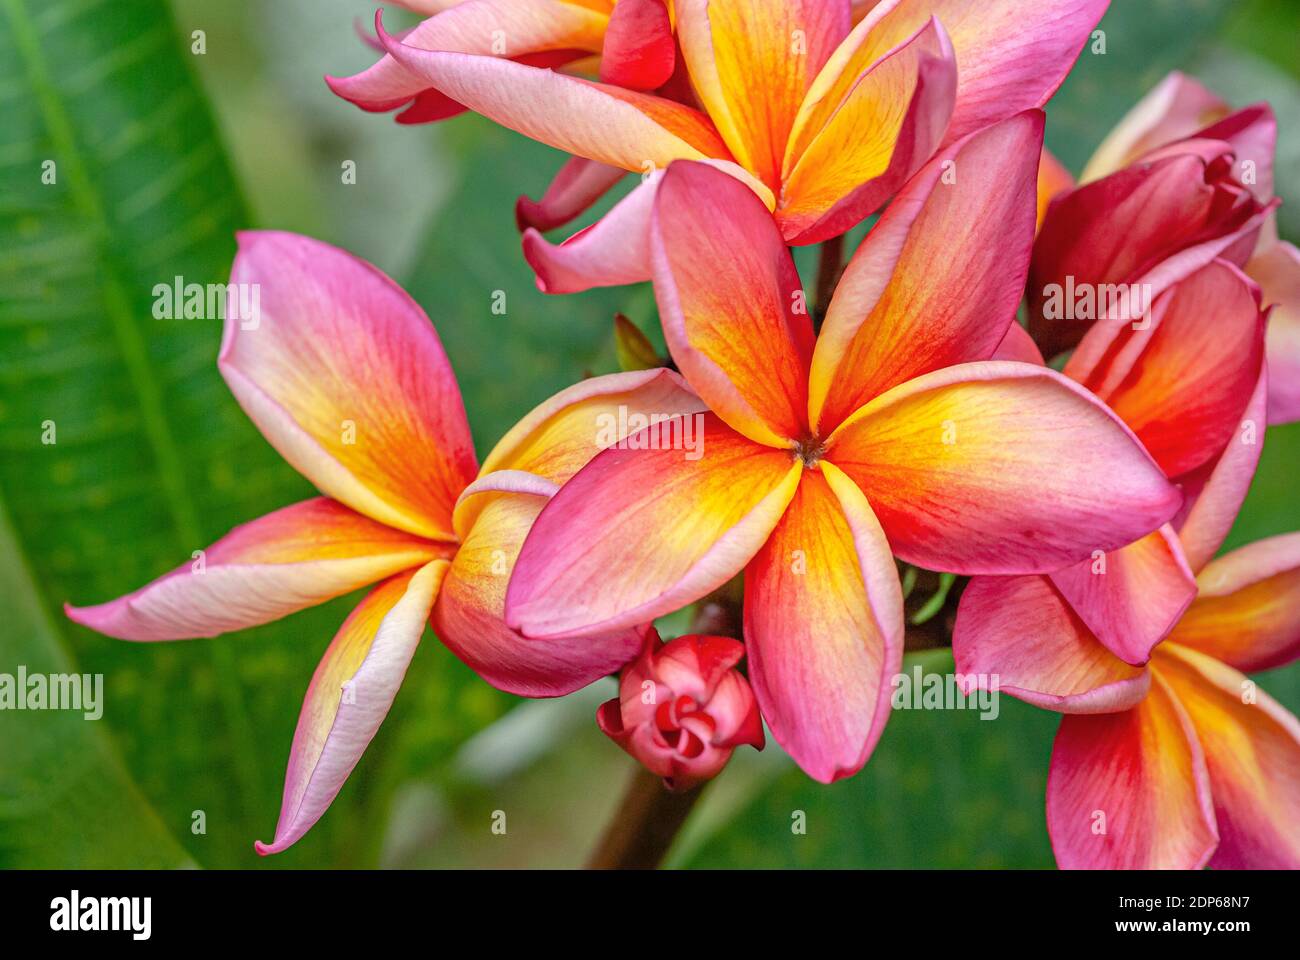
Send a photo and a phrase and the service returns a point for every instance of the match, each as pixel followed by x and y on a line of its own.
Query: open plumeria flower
pixel 823 119
pixel 345 376
pixel 891 432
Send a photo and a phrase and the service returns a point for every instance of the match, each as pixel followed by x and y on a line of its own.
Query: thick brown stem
pixel 648 820
pixel 829 268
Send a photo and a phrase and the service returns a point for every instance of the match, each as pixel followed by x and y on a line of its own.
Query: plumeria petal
pixel 1216 492
pixel 294 558
pixel 1182 382
pixel 485 27
pixel 1175 108
pixel 751 64
pixel 469 616
pixel 1144 228
pixel 1010 56
pixel 1018 345
pixel 1131 598
pixel 1020 636
pixel 622 128
pixel 904 306
pixel 824 627
pixel 616 249
pixel 639 533
pixel 558 437
pixel 731 303
pixel 350 695
pixel 1252 751
pixel 890 121
pixel 1000 467
pixel 578 185
pixel 1248 611
pixel 639 50
pixel 1277 271
pixel 344 374
pixel 1130 790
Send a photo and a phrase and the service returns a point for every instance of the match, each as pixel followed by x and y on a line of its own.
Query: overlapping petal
pixel 638 533
pixel 1131 598
pixel 731 303
pixel 905 305
pixel 639 51
pixel 1000 467
pixel 293 558
pixel 890 121
pixel 1277 271
pixel 1019 635
pixel 1011 56
pixel 824 627
pixel 579 184
pixel 349 696
pixel 1252 751
pixel 1248 611
pixel 622 128
pixel 484 27
pixel 469 616
pixel 344 374
pixel 1214 494
pixel 1183 381
pixel 751 64
pixel 1130 790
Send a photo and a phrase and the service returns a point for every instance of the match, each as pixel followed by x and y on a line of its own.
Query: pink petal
pixel 1277 271
pixel 639 50
pixel 1000 467
pixel 288 560
pixel 731 303
pixel 578 185
pixel 1252 752
pixel 638 533
pixel 1130 790
pixel 904 306
pixel 1018 635
pixel 1248 610
pixel 824 627
pixel 1131 598
pixel 344 374
pixel 350 695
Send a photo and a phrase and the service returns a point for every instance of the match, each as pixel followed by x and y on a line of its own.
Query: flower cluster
pixel 1081 469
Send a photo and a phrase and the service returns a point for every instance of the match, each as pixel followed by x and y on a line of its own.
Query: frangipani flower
pixel 1175 761
pixel 1180 180
pixel 345 376
pixel 1183 383
pixel 890 432
pixel 682 708
pixel 823 119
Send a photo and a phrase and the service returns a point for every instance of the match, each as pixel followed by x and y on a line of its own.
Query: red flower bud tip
pixel 683 707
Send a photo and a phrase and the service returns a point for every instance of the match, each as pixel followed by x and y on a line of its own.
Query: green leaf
pixel 114 181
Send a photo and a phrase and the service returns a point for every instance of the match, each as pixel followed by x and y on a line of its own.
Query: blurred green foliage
pixel 161 154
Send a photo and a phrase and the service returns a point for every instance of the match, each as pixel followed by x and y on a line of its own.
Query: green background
pixel 161 154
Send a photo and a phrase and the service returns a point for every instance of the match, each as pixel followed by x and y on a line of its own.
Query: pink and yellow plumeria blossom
pixel 1184 383
pixel 345 376
pixel 1180 180
pixel 823 119
pixel 1181 762
pixel 891 431
pixel 682 708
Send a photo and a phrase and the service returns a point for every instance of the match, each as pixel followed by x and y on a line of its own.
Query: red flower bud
pixel 682 708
